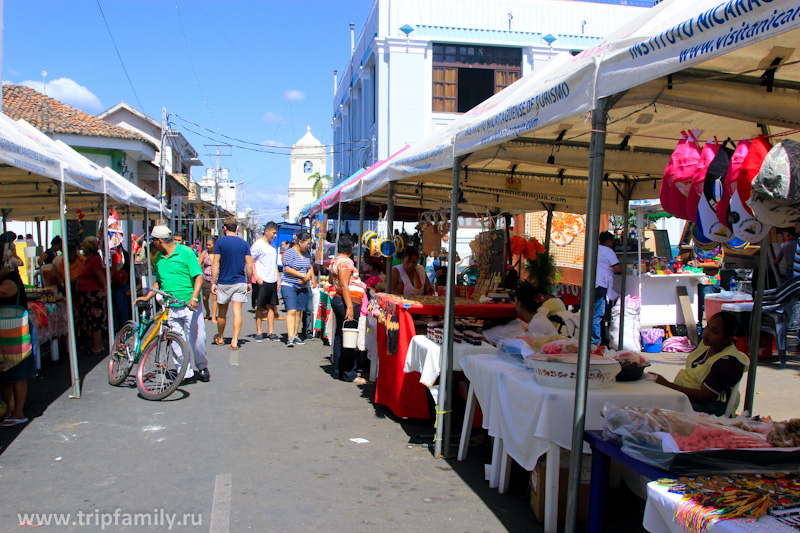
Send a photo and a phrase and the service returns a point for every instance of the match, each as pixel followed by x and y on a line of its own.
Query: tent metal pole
pixel 72 347
pixel 623 282
pixel 548 228
pixel 146 244
pixel 390 231
pixel 362 206
pixel 39 234
pixel 755 325
pixel 338 230
pixel 593 208
pixel 132 265
pixel 107 258
pixel 445 403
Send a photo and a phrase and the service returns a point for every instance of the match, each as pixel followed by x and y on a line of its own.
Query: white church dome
pixel 308 140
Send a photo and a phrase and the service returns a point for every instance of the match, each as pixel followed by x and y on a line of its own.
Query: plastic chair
pixel 777 309
pixel 733 401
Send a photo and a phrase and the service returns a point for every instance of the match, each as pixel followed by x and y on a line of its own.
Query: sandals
pixel 232 347
pixel 218 340
pixel 8 422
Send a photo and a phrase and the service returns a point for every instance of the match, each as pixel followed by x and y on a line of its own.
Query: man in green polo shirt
pixel 179 274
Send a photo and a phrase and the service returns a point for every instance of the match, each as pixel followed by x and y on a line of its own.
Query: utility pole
pixel 162 171
pixel 217 221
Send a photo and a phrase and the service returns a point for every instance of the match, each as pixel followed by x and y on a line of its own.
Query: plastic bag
pixel 540 325
pixel 515 347
pixel 632 325
pixel 652 335
pixel 775 196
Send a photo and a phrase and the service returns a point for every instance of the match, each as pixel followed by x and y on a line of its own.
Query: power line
pixel 194 71
pixel 258 150
pixel 119 55
pixel 250 142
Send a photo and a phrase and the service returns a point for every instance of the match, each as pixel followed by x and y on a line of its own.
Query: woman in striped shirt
pixel 294 285
pixel 350 291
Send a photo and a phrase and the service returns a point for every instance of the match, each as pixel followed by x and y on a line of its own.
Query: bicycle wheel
pixel 122 354
pixel 158 374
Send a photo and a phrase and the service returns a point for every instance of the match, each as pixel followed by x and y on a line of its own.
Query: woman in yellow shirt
pixel 713 368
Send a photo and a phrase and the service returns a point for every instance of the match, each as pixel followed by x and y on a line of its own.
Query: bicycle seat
pixel 143 305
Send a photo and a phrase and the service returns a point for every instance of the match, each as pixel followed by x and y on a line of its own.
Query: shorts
pixel 25 369
pixel 236 292
pixel 267 295
pixel 295 299
pixel 206 288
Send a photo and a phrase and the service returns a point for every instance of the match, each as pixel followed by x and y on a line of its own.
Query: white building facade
pixel 225 194
pixel 418 64
pixel 308 158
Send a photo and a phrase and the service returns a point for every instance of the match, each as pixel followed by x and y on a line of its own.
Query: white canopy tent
pixel 43 178
pixel 727 69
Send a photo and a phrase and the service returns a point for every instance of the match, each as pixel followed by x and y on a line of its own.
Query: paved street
pixel 263 446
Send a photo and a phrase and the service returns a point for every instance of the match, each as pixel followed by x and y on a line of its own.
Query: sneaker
pixel 298 340
pixel 203 375
pixel 273 337
pixel 290 343
pixel 259 337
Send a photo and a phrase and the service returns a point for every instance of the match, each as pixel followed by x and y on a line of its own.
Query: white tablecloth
pixel 425 356
pixel 528 416
pixel 661 506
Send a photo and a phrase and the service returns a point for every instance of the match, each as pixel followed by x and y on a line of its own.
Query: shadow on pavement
pixel 52 381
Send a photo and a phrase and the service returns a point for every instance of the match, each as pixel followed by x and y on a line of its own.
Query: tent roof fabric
pixel 51 116
pixel 677 67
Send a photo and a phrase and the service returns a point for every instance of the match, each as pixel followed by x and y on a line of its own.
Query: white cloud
pixel 273 144
pixel 293 95
pixel 272 118
pixel 69 92
pixel 13 72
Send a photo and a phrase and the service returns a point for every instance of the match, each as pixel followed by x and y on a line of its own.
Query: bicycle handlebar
pixel 168 297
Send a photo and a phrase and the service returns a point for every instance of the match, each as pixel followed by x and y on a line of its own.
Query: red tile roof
pixel 51 116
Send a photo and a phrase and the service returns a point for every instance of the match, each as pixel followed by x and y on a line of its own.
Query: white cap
pixel 161 232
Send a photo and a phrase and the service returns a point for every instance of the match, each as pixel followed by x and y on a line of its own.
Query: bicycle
pixel 151 346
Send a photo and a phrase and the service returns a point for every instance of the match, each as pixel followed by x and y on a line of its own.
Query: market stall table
pixel 660 510
pixel 403 393
pixel 528 420
pixel 425 356
pixel 49 322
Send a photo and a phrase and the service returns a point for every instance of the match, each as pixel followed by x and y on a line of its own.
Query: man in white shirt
pixel 265 260
pixel 607 264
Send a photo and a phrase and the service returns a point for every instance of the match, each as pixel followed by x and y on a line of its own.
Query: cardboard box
pixel 538 484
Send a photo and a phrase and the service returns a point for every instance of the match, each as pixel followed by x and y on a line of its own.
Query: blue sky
pixel 259 71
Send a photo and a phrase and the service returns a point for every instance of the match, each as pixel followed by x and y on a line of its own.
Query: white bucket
pixel 350 335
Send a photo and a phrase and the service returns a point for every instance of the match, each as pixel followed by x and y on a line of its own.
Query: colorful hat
pixel 740 218
pixel 699 179
pixel 712 192
pixel 678 175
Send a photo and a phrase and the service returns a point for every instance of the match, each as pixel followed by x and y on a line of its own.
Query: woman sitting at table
pixel 713 368
pixel 408 270
pixel 529 299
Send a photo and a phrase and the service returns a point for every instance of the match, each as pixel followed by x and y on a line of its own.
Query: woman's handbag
pixel 15 335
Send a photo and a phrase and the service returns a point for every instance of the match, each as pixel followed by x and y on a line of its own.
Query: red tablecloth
pixel 401 392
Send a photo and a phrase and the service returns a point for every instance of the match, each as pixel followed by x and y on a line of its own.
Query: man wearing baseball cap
pixel 179 274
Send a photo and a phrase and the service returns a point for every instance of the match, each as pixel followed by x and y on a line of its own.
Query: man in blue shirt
pixel 231 271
